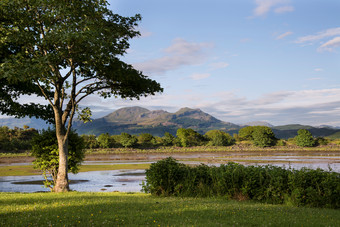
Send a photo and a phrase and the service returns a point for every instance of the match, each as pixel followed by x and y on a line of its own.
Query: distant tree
pixel 127 140
pixel 90 141
pixel 46 153
pixel 321 141
pixel 146 139
pixel 304 138
pixel 105 140
pixel 64 51
pixel 246 133
pixel 263 136
pixel 189 137
pixel 219 138
pixel 168 139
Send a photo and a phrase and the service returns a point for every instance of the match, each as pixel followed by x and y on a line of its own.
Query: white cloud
pixel 200 76
pixel 320 35
pixel 265 6
pixel 179 54
pixel 318 69
pixel 330 45
pixel 284 35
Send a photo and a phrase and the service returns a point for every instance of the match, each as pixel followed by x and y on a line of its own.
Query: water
pixel 94 181
pixel 131 180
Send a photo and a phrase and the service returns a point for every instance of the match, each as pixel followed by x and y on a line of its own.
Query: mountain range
pixel 137 120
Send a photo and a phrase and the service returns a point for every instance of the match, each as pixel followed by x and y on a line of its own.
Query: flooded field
pixel 131 180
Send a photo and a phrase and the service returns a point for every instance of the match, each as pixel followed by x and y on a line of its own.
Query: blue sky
pixel 240 61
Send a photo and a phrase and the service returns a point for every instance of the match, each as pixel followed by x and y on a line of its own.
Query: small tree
pixel 219 138
pixel 105 140
pixel 263 136
pixel 304 138
pixel 189 137
pixel 127 140
pixel 46 153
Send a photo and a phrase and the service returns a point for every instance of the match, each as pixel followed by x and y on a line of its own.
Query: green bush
pixel 45 151
pixel 127 140
pixel 189 137
pixel 270 184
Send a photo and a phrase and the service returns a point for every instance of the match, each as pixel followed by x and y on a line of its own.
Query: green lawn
pixel 123 209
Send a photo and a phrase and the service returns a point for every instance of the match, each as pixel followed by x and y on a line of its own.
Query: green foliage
pixel 281 143
pixel 270 184
pixel 17 139
pixel 263 136
pixel 304 138
pixel 168 139
pixel 90 141
pixel 146 140
pixel 321 141
pixel 45 151
pixel 105 141
pixel 127 140
pixel 189 137
pixel 219 138
pixel 246 133
pixel 163 176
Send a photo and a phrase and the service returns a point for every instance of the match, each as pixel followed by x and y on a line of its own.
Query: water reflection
pixel 94 181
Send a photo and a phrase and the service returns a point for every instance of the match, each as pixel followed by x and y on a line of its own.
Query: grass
pixel 137 209
pixel 29 170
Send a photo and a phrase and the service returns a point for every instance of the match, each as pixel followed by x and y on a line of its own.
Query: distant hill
pixel 258 123
pixel 136 120
pixel 290 131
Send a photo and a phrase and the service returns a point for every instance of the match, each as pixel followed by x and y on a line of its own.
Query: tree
pixel 46 153
pixel 105 140
pixel 263 136
pixel 127 140
pixel 246 133
pixel 304 138
pixel 219 138
pixel 189 137
pixel 65 51
pixel 146 139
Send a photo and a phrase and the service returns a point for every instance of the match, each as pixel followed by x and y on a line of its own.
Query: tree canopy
pixel 65 51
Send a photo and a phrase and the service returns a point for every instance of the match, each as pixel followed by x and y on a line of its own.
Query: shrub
pixel 45 151
pixel 270 184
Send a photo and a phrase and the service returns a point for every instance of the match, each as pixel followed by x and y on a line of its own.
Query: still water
pixel 131 180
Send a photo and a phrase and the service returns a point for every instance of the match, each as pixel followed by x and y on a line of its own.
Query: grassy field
pixel 123 209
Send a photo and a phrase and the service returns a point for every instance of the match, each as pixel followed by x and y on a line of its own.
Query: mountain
pixel 136 120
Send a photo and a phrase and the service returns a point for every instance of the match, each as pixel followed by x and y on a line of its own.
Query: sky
pixel 239 60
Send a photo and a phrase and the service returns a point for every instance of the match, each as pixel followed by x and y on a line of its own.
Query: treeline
pixel 16 139
pixel 261 136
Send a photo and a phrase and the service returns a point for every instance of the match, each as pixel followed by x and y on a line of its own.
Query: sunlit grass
pixel 113 209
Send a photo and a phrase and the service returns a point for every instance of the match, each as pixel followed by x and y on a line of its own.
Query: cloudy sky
pixel 251 60
pixel 238 60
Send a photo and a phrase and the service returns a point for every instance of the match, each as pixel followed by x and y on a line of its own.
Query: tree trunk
pixel 62 184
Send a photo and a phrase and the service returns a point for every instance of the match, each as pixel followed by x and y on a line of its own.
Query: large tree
pixel 64 51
